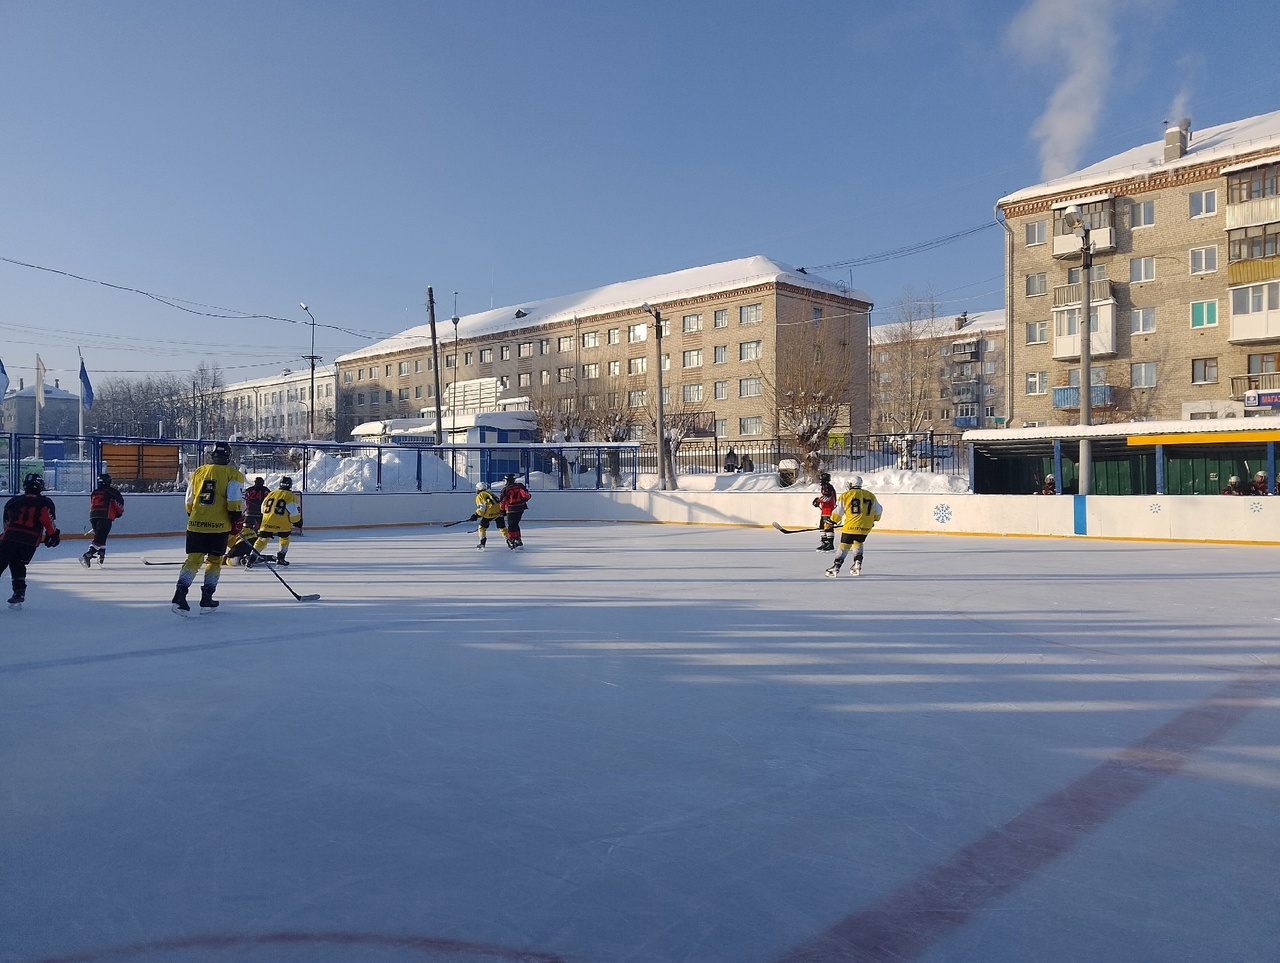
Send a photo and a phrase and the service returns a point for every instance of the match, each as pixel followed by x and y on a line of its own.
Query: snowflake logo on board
pixel 942 513
pixel 1154 509
pixel 1255 507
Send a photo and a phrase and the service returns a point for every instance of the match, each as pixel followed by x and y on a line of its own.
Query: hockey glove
pixel 815 503
pixel 237 523
pixel 298 524
pixel 52 539
pixel 473 518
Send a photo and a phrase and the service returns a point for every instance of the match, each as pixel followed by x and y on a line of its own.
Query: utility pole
pixel 435 363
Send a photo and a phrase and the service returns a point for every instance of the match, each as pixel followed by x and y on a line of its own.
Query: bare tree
pixel 905 363
pixel 811 387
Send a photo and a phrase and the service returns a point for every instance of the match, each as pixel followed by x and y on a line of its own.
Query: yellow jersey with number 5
pixel 214 494
pixel 858 511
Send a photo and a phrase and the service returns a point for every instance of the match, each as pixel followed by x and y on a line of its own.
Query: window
pixel 466 357
pixel 692 394
pixel 404 394
pixel 388 397
pixel 691 322
pixel 1255 298
pixel 1037 233
pixel 637 398
pixel 1264 363
pixel 989 411
pixel 1204 260
pixel 1096 273
pixel 882 357
pixel 614 336
pixel 591 371
pixel 1143 375
pixel 1142 320
pixel 449 360
pixel 750 314
pixel 566 405
pixel 750 350
pixel 417 367
pixel 1037 284
pixel 722 427
pixel 748 387
pixel 346 378
pixel 388 370
pixel 504 352
pixel 1037 382
pixel 1142 269
pixel 721 318
pixel 1250 185
pixel 564 343
pixel 692 358
pixel 591 339
pixel 524 379
pixel 966 410
pixel 404 367
pixel 637 332
pixel 544 346
pixel 486 356
pixel 751 426
pixel 816 315
pixel 615 368
pixel 988 367
pixel 1259 240
pixel 564 375
pixel 360 398
pixel 360 374
pixel 666 394
pixel 637 366
pixel 1204 314
pixel 1204 371
pixel 1142 213
pixel 524 349
pixel 721 390
pixel 721 353
pixel 504 382
pixel 665 362
pixel 1203 203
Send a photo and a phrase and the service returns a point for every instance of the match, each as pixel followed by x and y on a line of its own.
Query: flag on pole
pixel 86 389
pixel 4 381
pixel 39 382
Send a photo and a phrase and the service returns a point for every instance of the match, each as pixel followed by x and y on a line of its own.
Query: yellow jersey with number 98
pixel 214 493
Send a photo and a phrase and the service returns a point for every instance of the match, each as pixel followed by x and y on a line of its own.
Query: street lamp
pixel 453 407
pixel 662 418
pixel 1078 226
pixel 311 418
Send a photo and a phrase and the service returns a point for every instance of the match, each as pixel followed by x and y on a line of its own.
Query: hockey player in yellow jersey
pixel 281 513
pixel 215 509
pixel 488 510
pixel 856 512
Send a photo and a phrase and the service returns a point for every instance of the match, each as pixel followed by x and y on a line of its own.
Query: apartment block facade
pixel 727 331
pixel 940 377
pixel 1184 289
pixel 279 407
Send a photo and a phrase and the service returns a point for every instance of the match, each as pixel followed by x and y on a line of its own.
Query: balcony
pixel 1068 245
pixel 1067 295
pixel 1267 381
pixel 1068 397
pixel 964 391
pixel 968 421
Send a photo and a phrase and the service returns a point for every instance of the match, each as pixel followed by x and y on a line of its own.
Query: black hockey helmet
pixel 286 483
pixel 104 479
pixel 509 478
pixel 33 483
pixel 259 480
pixel 825 478
pixel 220 453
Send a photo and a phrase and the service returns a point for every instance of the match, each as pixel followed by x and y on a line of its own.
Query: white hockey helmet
pixel 482 486
pixel 1233 480
pixel 855 482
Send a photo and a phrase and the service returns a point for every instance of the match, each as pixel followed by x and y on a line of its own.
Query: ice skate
pixel 87 558
pixel 207 601
pixel 856 568
pixel 16 599
pixel 834 570
pixel 179 602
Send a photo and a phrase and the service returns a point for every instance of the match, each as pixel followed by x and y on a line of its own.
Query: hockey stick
pixel 451 524
pixel 301 598
pixel 794 531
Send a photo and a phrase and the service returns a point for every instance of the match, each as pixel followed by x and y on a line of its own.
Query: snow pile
pixel 329 472
pixel 885 480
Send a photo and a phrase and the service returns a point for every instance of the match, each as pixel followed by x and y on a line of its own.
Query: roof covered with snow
pixel 1220 143
pixel 620 296
pixel 1128 429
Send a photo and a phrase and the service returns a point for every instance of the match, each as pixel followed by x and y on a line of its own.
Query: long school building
pixel 727 330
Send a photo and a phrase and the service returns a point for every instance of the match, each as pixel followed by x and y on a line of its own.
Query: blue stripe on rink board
pixel 1082 522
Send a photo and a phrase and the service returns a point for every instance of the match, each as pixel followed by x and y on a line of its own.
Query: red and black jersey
pixel 514 497
pixel 253 498
pixel 826 499
pixel 106 502
pixel 27 518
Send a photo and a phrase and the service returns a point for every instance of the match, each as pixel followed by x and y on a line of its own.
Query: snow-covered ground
pixel 646 743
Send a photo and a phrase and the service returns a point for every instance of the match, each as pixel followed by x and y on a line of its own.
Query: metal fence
pixel 940 454
pixel 72 464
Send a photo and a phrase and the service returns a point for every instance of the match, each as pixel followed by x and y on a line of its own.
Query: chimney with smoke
pixel 1176 140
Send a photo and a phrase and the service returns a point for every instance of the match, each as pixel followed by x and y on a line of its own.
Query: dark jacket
pixel 28 518
pixel 105 501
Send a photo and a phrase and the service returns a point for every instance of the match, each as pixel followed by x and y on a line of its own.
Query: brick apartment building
pixel 727 327
pixel 1185 285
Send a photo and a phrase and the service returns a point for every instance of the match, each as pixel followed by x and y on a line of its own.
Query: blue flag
pixel 86 389
pixel 4 380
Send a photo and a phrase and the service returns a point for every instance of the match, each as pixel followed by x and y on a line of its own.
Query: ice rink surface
pixel 647 743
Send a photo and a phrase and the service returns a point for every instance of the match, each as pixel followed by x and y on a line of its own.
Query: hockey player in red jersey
pixel 29 518
pixel 106 504
pixel 825 503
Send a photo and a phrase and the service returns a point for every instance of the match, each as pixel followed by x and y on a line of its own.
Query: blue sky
pixel 251 155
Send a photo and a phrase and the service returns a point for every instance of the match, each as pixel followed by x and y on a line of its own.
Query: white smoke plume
pixel 1080 37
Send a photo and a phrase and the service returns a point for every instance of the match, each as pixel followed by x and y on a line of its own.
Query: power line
pixel 900 252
